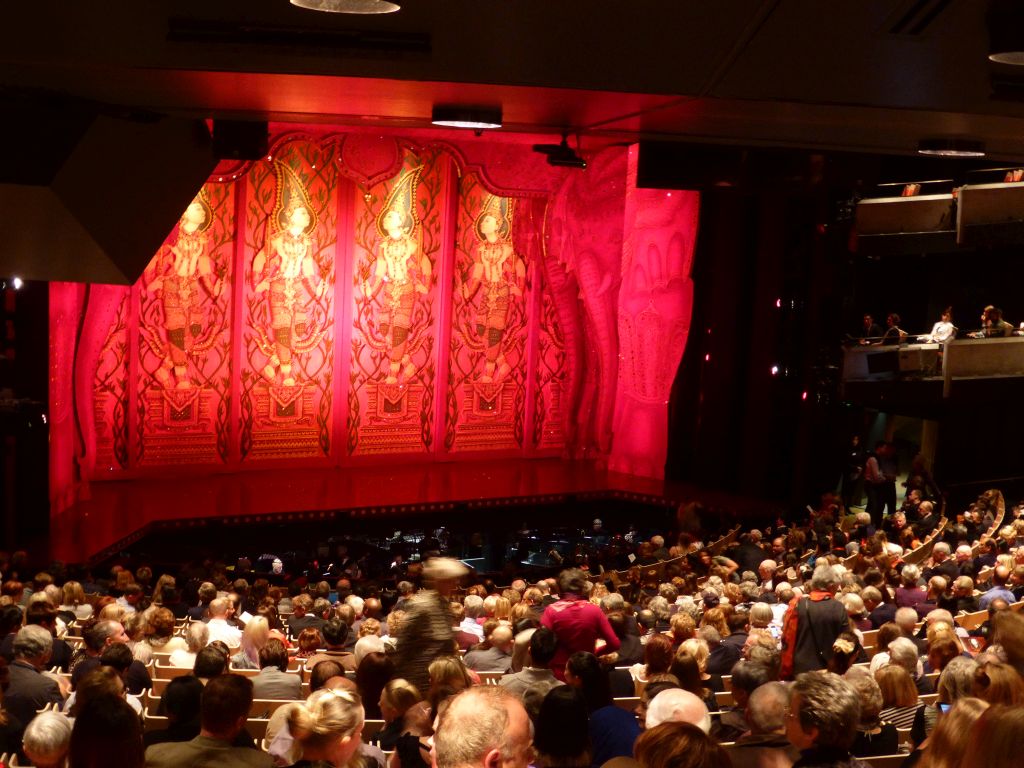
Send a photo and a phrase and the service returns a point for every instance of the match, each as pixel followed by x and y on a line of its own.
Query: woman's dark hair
pixel 562 730
pixel 679 745
pixel 372 675
pixel 106 726
pixel 10 619
pixel 210 662
pixel 593 679
pixel 657 654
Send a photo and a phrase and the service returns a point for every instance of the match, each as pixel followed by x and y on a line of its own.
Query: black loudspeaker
pixel 117 188
pixel 240 139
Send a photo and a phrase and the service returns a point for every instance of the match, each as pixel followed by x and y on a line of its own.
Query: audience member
pixel 995 738
pixel 561 737
pixel 47 740
pixel 108 727
pixel 29 689
pixel 426 632
pixel 766 743
pixel 576 622
pixel 273 680
pixel 483 727
pixel 224 708
pixel 824 711
pixel 328 727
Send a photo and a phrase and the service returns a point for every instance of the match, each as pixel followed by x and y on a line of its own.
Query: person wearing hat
pixel 426 631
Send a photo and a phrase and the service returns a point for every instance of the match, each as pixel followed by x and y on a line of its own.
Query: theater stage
pixel 118 514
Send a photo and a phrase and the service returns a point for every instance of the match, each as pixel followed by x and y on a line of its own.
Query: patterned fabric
pixel 901 717
pixel 425 634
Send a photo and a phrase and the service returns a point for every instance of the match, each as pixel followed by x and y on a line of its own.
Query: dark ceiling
pixel 862 75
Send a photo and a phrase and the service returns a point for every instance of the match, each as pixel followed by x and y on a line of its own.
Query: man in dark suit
pixel 942 564
pixel 747 554
pixel 927 520
pixel 30 690
pixel 878 612
pixel 274 681
pixel 224 708
pixel 766 743
pixel 304 616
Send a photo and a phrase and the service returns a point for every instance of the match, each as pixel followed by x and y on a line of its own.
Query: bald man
pixel 494 654
pixel 483 727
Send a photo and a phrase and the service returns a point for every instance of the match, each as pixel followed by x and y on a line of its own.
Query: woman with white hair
pixel 197 635
pixel 910 592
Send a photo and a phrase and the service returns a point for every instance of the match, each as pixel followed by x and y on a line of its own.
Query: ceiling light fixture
pixel 951 148
pixel 364 7
pixel 1005 40
pixel 476 118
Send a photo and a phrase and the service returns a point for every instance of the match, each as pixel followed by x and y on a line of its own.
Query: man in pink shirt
pixel 576 622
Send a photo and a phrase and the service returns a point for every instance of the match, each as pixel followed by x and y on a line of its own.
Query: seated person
pixel 942 331
pixel 274 681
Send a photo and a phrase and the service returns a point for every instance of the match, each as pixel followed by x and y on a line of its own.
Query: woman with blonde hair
pixel 449 671
pixel 135 627
pixel 112 612
pixel 328 728
pixel 899 696
pixel 698 648
pixel 74 601
pixel 998 683
pixel 396 698
pixel 503 610
pixel 369 627
pixel 995 739
pixel 254 637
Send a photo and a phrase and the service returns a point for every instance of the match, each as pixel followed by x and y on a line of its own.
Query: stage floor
pixel 119 513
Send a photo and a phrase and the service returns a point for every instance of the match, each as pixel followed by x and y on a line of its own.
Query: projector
pixel 561 155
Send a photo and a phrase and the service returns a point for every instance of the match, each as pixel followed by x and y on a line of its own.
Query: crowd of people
pixel 992 325
pixel 822 644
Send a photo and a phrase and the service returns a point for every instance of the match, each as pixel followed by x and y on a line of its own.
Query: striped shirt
pixel 901 717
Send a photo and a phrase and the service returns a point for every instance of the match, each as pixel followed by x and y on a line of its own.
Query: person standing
pixel 576 622
pixel 812 625
pixel 853 474
pixel 426 631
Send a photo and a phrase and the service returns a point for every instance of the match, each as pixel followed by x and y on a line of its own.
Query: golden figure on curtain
pixel 287 272
pixel 497 274
pixel 178 276
pixel 402 270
